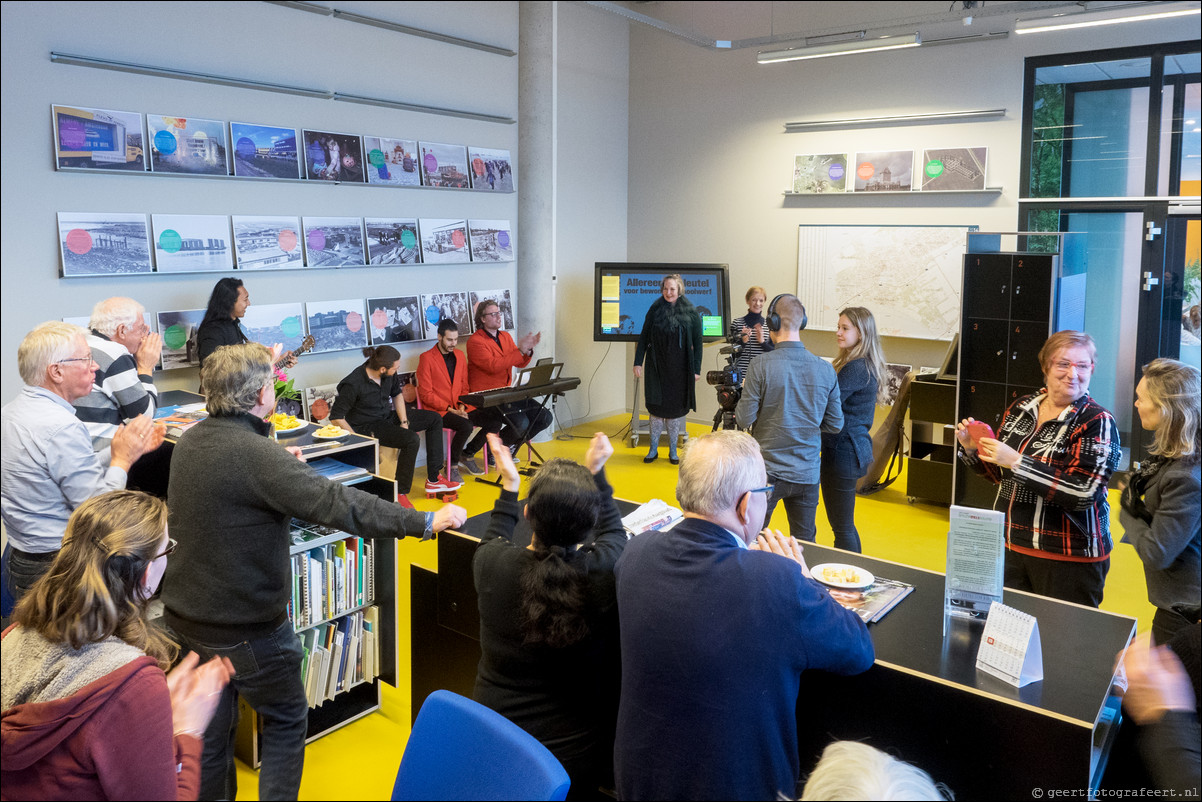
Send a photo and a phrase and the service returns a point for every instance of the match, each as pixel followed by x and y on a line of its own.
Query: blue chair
pixel 460 749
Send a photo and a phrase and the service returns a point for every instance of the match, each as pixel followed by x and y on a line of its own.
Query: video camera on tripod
pixel 727 382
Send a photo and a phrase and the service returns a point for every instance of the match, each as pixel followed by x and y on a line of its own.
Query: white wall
pixel 263 42
pixel 709 157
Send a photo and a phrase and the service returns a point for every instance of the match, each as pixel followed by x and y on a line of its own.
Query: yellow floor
pixel 360 760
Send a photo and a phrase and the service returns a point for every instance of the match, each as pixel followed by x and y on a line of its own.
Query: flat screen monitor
pixel 624 292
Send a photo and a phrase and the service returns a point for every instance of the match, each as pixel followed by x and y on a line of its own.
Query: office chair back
pixel 460 749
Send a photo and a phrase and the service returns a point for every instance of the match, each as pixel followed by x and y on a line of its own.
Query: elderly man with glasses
pixel 49 465
pixel 718 622
pixel 126 353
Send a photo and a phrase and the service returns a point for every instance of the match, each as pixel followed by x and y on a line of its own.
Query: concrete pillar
pixel 536 172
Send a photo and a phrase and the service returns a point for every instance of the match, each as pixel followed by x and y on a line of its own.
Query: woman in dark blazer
pixel 671 344
pixel 548 613
pixel 847 454
pixel 1160 513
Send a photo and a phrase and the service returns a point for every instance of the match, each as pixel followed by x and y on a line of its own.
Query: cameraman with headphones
pixel 790 397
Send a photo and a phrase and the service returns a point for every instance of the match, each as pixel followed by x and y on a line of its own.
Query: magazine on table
pixel 653 516
pixel 874 602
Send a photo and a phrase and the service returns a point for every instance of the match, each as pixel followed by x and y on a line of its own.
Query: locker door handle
pixel 1149 282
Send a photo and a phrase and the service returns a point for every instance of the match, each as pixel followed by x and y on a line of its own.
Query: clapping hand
pixel 778 543
pixel 195 691
pixel 510 478
pixel 599 451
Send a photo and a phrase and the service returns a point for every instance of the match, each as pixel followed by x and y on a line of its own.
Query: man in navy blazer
pixel 718 622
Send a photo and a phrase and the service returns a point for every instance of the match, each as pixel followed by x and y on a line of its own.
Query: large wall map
pixel 907 276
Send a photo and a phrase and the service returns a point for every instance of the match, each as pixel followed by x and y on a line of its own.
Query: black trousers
pixel 391 434
pixel 527 418
pixel 1081 583
pixel 462 427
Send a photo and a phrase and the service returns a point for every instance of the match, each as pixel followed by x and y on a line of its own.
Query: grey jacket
pixel 1170 545
pixel 791 397
pixel 233 493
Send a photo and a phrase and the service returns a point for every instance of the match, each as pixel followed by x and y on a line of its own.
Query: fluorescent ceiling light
pixel 839 48
pixel 1111 16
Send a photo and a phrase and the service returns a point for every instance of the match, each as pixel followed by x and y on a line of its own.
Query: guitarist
pixel 227 305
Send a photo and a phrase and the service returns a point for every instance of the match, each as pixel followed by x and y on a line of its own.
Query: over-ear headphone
pixel 773 319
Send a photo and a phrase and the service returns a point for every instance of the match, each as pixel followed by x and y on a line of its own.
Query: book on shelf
pixel 336 470
pixel 874 602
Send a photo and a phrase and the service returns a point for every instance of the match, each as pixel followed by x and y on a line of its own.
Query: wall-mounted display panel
pixel 187 145
pixel 264 242
pixel 336 325
pixel 491 169
pixel 395 319
pixel 98 139
pixel 444 241
pixel 392 162
pixel 491 240
pixel 333 241
pixel 103 243
pixel 264 151
pixel 444 165
pixel 332 156
pixel 192 242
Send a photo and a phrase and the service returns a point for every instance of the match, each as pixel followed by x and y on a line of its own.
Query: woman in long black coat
pixel 671 344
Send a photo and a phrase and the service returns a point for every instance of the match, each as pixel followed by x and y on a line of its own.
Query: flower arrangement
pixel 284 387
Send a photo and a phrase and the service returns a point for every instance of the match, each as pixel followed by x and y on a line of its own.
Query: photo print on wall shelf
pixel 187 145
pixel 444 165
pixel 83 320
pixel 945 169
pixel 98 139
pixel 392 162
pixel 192 242
pixel 336 325
pixel 884 171
pixel 103 243
pixel 444 241
pixel 264 151
pixel 894 374
pixel 503 299
pixel 441 305
pixel 333 241
pixel 491 169
pixel 491 240
pixel 319 401
pixel 392 241
pixel 819 173
pixel 263 243
pixel 331 156
pixel 268 324
pixel 179 338
pixel 395 320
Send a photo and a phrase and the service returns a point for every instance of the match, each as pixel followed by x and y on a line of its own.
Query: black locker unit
pixel 1006 315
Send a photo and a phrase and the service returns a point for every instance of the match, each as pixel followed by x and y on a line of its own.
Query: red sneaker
pixel 443 485
pixel 403 500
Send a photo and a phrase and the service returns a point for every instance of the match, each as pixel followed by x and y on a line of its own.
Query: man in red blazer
pixel 491 354
pixel 441 378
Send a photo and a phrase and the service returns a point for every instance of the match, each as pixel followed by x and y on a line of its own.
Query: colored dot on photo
pixel 375 157
pixel 866 170
pixel 317 240
pixel 431 163
pixel 408 238
pixel 835 172
pixel 287 240
pixel 934 168
pixel 78 241
pixel 291 326
pixel 170 241
pixel 457 238
pixel 175 337
pixel 354 322
pixel 382 170
pixel 503 239
pixel 379 319
pixel 317 155
pixel 432 314
pixel 245 148
pixel 478 166
pixel 164 142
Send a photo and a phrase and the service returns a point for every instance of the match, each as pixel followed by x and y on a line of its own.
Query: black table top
pixel 1079 643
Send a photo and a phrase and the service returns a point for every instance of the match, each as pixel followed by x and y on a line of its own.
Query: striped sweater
pixel 1055 498
pixel 119 392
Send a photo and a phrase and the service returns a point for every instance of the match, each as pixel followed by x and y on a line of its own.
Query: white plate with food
pixel 330 432
pixel 288 424
pixel 842 575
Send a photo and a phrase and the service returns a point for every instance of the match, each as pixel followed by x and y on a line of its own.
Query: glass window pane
pixel 1089 129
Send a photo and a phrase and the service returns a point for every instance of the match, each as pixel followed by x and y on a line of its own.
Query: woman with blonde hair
pixel 847 454
pixel 752 329
pixel 1160 513
pixel 671 343
pixel 88 711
